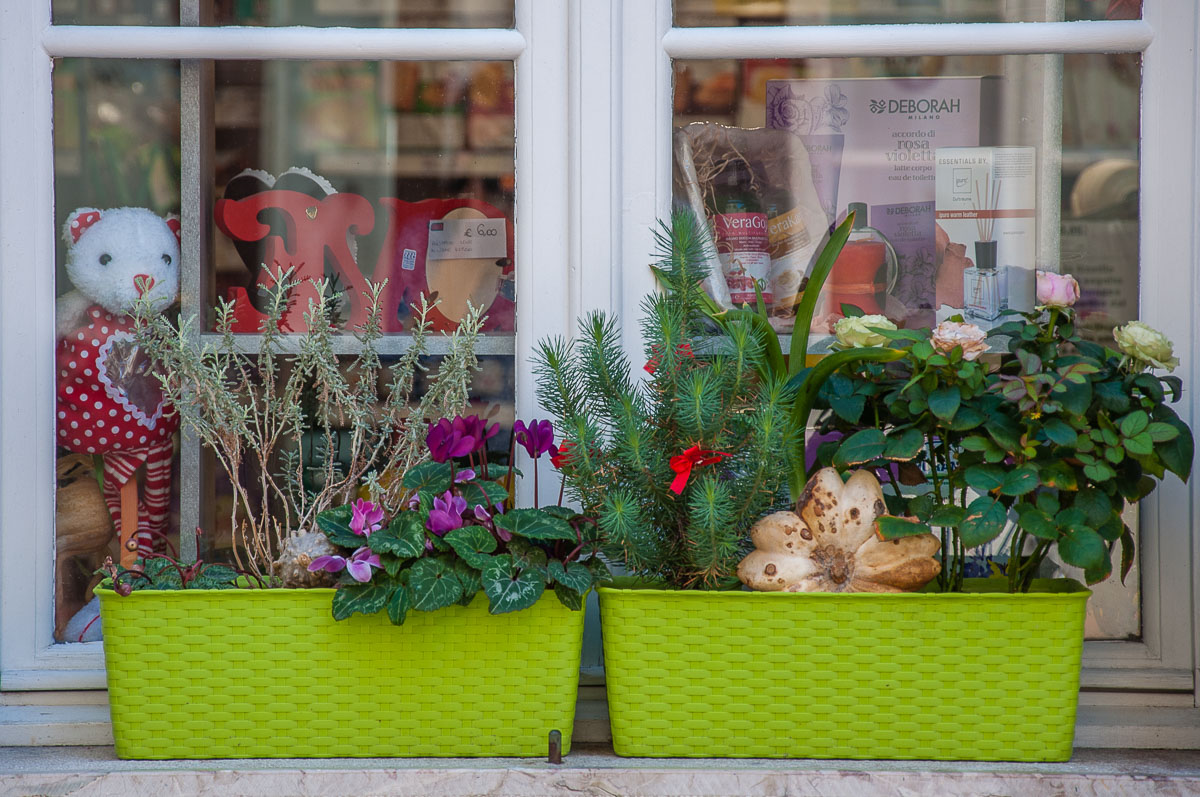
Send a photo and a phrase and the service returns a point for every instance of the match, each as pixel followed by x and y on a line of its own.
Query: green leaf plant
pixel 1048 433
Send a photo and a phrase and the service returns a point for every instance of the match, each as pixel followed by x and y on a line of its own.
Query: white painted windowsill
pixel 592 770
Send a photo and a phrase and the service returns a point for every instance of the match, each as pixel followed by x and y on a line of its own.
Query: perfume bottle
pixel 866 268
pixel 985 287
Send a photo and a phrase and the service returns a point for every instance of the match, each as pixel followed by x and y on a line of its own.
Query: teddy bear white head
pixel 113 256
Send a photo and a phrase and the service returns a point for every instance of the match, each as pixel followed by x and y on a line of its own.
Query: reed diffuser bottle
pixel 985 286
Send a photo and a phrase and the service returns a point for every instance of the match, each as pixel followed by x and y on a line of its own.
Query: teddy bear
pixel 108 401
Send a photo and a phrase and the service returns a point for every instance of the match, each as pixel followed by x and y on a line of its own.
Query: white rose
pixel 1146 344
pixel 856 333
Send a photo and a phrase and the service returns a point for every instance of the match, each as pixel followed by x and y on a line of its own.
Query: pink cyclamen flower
pixel 446 514
pixel 949 334
pixel 365 518
pixel 1056 290
pixel 359 564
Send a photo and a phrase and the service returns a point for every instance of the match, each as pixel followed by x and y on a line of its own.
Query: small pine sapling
pixel 675 467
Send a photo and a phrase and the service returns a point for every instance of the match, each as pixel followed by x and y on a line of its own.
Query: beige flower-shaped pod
pixel 832 545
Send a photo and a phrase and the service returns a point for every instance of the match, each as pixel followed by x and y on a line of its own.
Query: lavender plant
pixel 247 409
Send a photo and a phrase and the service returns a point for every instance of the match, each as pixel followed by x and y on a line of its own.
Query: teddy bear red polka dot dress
pixel 109 403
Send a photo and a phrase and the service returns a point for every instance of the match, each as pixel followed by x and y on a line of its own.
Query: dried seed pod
pixel 298 553
pixel 833 544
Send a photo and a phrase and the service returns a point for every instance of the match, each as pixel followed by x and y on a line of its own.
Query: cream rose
pixel 856 333
pixel 949 334
pixel 1146 344
pixel 1056 290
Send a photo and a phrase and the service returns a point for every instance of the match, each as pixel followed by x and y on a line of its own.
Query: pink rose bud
pixel 1056 290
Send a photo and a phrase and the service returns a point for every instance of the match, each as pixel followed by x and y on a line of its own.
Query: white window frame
pixel 29 658
pixel 1136 693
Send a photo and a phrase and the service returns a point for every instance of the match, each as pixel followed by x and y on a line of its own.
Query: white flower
pixel 856 333
pixel 1147 344
pixel 949 334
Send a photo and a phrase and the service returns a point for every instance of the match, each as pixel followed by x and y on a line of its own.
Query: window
pixel 597 91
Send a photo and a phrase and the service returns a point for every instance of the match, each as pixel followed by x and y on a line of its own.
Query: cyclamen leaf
pixel 364 598
pixel 473 544
pixel 510 588
pixel 470 579
pixel 568 597
pixel 431 475
pixel 487 493
pixel 404 537
pixel 433 585
pixel 335 523
pixel 216 577
pixel 573 575
pixel 398 605
pixel 533 524
pixel 863 446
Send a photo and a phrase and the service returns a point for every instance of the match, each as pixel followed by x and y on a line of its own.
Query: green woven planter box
pixel 269 674
pixel 973 676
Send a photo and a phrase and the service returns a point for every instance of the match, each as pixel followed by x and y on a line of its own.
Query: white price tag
pixel 454 239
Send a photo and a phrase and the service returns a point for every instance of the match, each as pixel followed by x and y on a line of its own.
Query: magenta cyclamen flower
pixel 478 428
pixel 446 514
pixel 536 437
pixel 365 518
pixel 485 518
pixel 359 564
pixel 448 439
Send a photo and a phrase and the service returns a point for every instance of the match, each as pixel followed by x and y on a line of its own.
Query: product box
pixel 985 211
pixel 872 140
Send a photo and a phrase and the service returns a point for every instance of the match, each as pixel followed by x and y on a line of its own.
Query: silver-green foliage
pixel 253 411
pixel 622 431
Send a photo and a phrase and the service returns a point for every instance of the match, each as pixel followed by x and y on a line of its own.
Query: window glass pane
pixel 368 13
pixel 356 173
pixel 116 143
pixel 955 164
pixel 706 13
pixel 115 12
pixel 399 170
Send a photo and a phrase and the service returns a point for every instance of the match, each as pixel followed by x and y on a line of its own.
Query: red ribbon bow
pixel 692 458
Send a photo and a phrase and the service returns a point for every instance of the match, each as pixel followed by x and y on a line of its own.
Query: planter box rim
pixel 977 588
